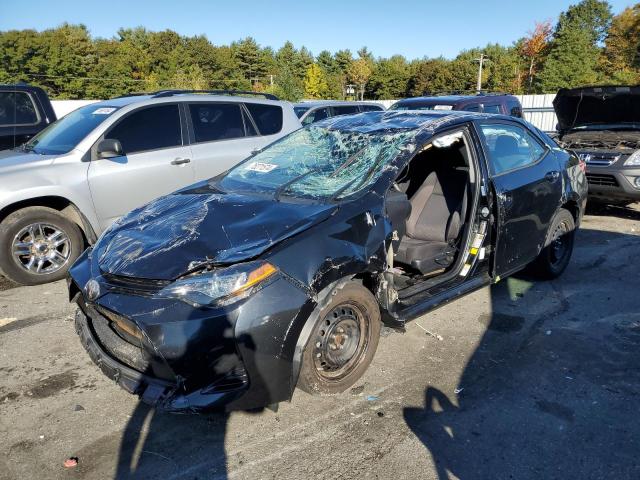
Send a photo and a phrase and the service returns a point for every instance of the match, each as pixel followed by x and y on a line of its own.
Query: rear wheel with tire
pixel 38 245
pixel 343 341
pixel 554 258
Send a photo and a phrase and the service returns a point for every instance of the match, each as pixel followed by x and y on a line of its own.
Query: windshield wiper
pixel 284 186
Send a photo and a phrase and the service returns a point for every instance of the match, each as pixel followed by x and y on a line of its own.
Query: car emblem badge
pixel 92 289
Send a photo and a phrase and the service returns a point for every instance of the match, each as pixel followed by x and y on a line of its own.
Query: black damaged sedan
pixel 281 272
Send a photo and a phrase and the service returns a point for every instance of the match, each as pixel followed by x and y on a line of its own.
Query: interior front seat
pixel 438 210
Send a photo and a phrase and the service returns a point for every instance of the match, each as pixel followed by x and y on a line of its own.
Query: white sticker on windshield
pixel 443 107
pixel 104 111
pixel 261 167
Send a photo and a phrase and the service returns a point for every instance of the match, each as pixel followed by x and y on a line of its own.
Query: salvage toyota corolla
pixel 281 272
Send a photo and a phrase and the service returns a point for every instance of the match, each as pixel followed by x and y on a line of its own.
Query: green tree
pixel 389 78
pixel 359 73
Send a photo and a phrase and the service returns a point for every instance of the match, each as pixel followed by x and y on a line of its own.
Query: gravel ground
pixel 529 380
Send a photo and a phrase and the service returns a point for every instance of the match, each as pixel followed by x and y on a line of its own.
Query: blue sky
pixel 412 28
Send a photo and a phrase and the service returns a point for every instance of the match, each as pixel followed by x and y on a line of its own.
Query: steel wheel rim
pixel 340 341
pixel 41 248
pixel 559 245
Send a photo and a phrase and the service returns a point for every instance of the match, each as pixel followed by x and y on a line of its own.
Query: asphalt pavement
pixel 521 380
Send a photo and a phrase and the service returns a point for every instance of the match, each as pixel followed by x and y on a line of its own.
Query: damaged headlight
pixel 633 160
pixel 219 287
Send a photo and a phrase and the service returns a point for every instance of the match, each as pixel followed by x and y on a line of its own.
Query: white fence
pixel 537 109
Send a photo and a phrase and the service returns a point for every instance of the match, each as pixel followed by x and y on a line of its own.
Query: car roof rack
pixel 469 93
pixel 170 93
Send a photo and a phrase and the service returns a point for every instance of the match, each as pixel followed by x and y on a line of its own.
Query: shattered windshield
pixel 318 163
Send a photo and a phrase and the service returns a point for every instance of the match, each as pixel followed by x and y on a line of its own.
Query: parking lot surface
pixel 519 380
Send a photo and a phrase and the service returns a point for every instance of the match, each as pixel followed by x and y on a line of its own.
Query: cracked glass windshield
pixel 318 163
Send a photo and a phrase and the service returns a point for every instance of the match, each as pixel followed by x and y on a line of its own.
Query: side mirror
pixel 109 148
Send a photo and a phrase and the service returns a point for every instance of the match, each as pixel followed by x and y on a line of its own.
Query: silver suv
pixel 63 188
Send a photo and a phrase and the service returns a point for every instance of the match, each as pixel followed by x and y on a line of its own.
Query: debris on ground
pixel 71 462
pixel 380 413
pixel 78 408
pixel 431 334
pixel 372 398
pixel 358 390
pixel 458 390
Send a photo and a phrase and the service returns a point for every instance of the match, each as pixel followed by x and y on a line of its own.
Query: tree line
pixel 586 45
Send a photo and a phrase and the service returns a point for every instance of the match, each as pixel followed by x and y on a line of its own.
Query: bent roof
pixel 389 121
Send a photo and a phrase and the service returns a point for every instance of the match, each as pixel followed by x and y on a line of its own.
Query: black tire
pixel 42 247
pixel 555 257
pixel 347 306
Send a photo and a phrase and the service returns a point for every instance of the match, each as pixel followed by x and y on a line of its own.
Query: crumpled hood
pixel 172 234
pixel 596 105
pixel 10 159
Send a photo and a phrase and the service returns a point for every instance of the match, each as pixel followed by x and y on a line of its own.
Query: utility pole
pixel 483 58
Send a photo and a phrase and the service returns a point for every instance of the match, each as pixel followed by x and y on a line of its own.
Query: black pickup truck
pixel 24 111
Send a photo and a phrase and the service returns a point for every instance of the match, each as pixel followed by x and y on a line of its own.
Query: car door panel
pixel 527 197
pixel 123 183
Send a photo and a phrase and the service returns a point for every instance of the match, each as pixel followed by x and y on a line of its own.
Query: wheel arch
pixel 59 203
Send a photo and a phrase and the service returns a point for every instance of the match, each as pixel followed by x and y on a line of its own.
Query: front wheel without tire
pixel 554 258
pixel 343 341
pixel 38 245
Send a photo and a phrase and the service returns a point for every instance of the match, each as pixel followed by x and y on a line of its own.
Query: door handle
pixel 552 176
pixel 180 161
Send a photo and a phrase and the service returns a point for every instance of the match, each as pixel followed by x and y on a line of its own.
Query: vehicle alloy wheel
pixel 343 340
pixel 41 248
pixel 38 245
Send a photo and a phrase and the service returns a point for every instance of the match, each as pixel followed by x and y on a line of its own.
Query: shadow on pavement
pixel 552 389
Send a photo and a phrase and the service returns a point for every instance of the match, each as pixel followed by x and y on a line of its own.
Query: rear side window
pixel 491 109
pixel 471 108
pixel 268 118
pixel 346 110
pixel 151 128
pixel 216 121
pixel 515 110
pixel 371 108
pixel 17 108
pixel 510 147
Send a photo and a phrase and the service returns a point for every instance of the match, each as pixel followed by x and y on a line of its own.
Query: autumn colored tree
pixel 621 55
pixel 315 83
pixel 359 73
pixel 534 46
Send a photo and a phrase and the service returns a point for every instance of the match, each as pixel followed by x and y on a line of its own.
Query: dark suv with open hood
pixel 602 126
pixel 280 272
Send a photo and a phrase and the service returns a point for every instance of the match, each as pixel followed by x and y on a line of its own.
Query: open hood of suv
pixel 597 105
pixel 176 233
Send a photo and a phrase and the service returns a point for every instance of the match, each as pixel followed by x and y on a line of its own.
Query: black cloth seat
pixel 438 210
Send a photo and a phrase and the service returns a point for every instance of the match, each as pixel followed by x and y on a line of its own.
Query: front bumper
pixel 195 359
pixel 615 182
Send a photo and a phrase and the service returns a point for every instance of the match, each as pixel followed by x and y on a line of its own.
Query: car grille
pixel 127 352
pixel 599 159
pixel 132 286
pixel 602 180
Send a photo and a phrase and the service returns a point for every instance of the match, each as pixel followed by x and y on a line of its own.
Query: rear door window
pixel 346 110
pixel 371 108
pixel 510 147
pixel 514 108
pixel 17 108
pixel 150 128
pixel 268 118
pixel 471 108
pixel 216 121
